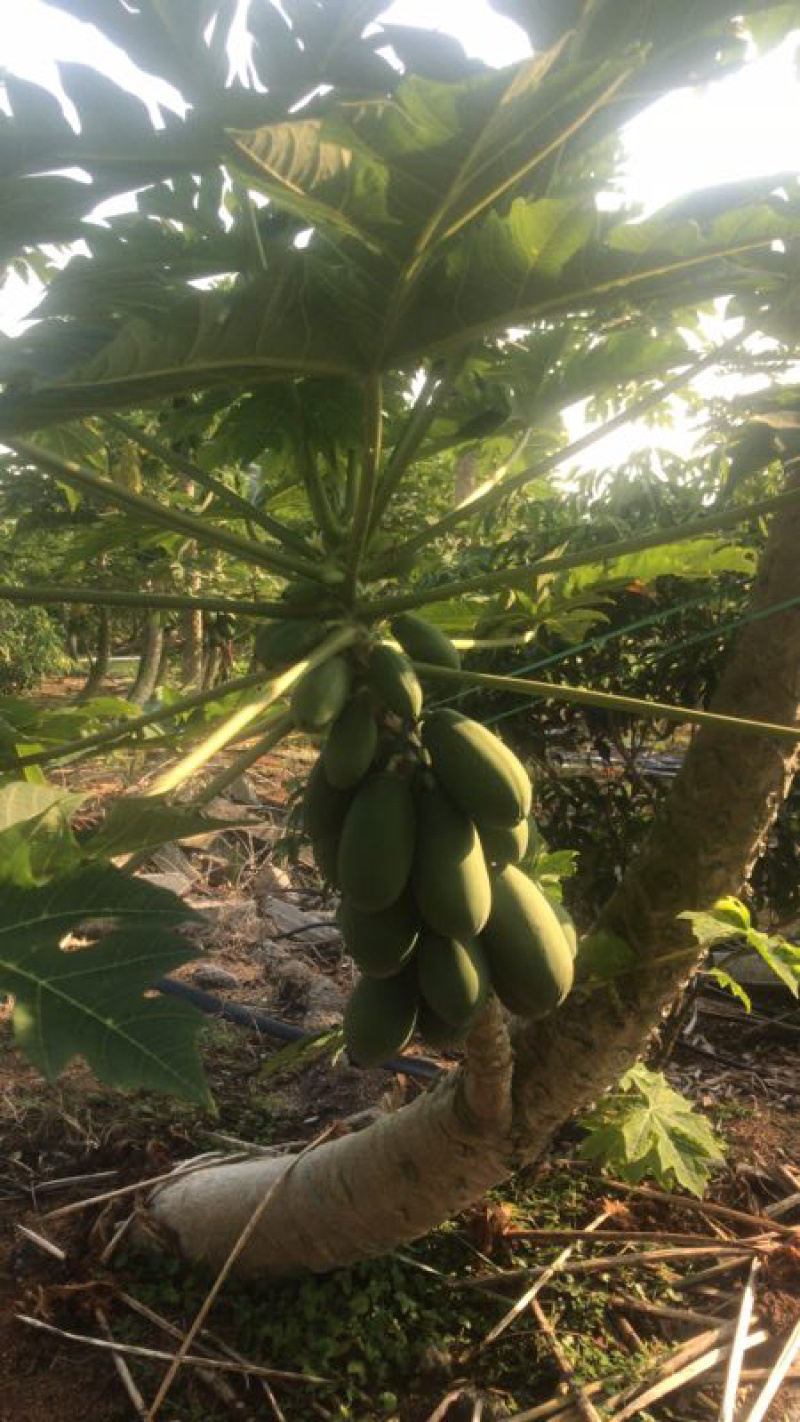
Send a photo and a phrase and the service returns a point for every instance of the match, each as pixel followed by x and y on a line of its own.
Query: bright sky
pixel 738 128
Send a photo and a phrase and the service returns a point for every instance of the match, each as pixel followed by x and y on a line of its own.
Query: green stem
pixel 521 576
pixel 150 512
pixel 323 514
pixel 436 387
pixel 120 597
pixel 350 486
pixel 246 510
pixel 275 733
pixel 485 499
pixel 131 726
pixel 189 765
pixel 373 424
pixel 608 701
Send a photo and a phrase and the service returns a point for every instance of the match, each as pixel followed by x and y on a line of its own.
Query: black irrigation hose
pixel 283 1031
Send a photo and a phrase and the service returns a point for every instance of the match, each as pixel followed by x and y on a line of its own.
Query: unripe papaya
pixel 322 816
pixel 436 1032
pixel 395 682
pixel 380 1018
pixel 377 844
pixel 381 943
pixel 529 958
pixel 423 642
pixel 281 644
pixel 320 695
pixel 504 844
pixel 483 776
pixel 449 879
pixel 352 741
pixel 567 928
pixel 453 977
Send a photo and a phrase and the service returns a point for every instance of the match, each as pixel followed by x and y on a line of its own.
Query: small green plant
pixel 730 918
pixel 645 1128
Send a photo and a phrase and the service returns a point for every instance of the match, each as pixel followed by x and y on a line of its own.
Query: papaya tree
pixel 412 268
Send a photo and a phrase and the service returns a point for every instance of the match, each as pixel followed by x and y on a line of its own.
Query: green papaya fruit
pixel 380 1018
pixel 423 642
pixel 529 958
pixel 322 816
pixel 504 844
pixel 567 928
pixel 319 696
pixel 281 644
pixel 395 682
pixel 481 774
pixel 381 943
pixel 377 844
pixel 453 977
pixel 436 1032
pixel 449 879
pixel 352 742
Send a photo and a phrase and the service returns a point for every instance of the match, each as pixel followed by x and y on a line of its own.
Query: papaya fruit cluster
pixel 420 820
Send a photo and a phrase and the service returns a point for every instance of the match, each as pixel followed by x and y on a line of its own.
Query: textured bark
pixel 98 671
pixel 708 836
pixel 367 1193
pixel 150 661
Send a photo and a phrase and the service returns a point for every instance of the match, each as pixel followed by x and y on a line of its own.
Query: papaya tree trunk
pixel 149 662
pixel 368 1193
pixel 98 670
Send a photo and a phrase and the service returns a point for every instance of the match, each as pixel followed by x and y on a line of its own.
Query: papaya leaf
pixel 729 984
pixel 645 1128
pixel 701 558
pixel 780 956
pixel 605 956
pixel 88 1000
pixel 36 842
pixel 144 822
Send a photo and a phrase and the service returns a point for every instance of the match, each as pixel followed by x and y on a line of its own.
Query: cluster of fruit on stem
pixel 420 821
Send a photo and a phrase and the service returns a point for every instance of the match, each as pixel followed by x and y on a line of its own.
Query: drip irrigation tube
pixel 283 1031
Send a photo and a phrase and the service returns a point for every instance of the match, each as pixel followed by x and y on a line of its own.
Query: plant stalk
pixel 318 501
pixel 436 387
pixel 177 520
pixel 359 532
pixel 608 701
pixel 190 470
pixel 129 727
pixel 276 688
pixel 521 576
pixel 37 593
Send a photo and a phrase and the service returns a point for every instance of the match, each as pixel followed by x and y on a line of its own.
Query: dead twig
pixel 199 1163
pixel 137 1351
pixel 46 1245
pixel 606 1262
pixel 728 1404
pixel 782 1365
pixel 631 1236
pixel 123 1371
pixel 672 1382
pixel 724 1212
pixel 667 1312
pixel 584 1406
pixel 217 1385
